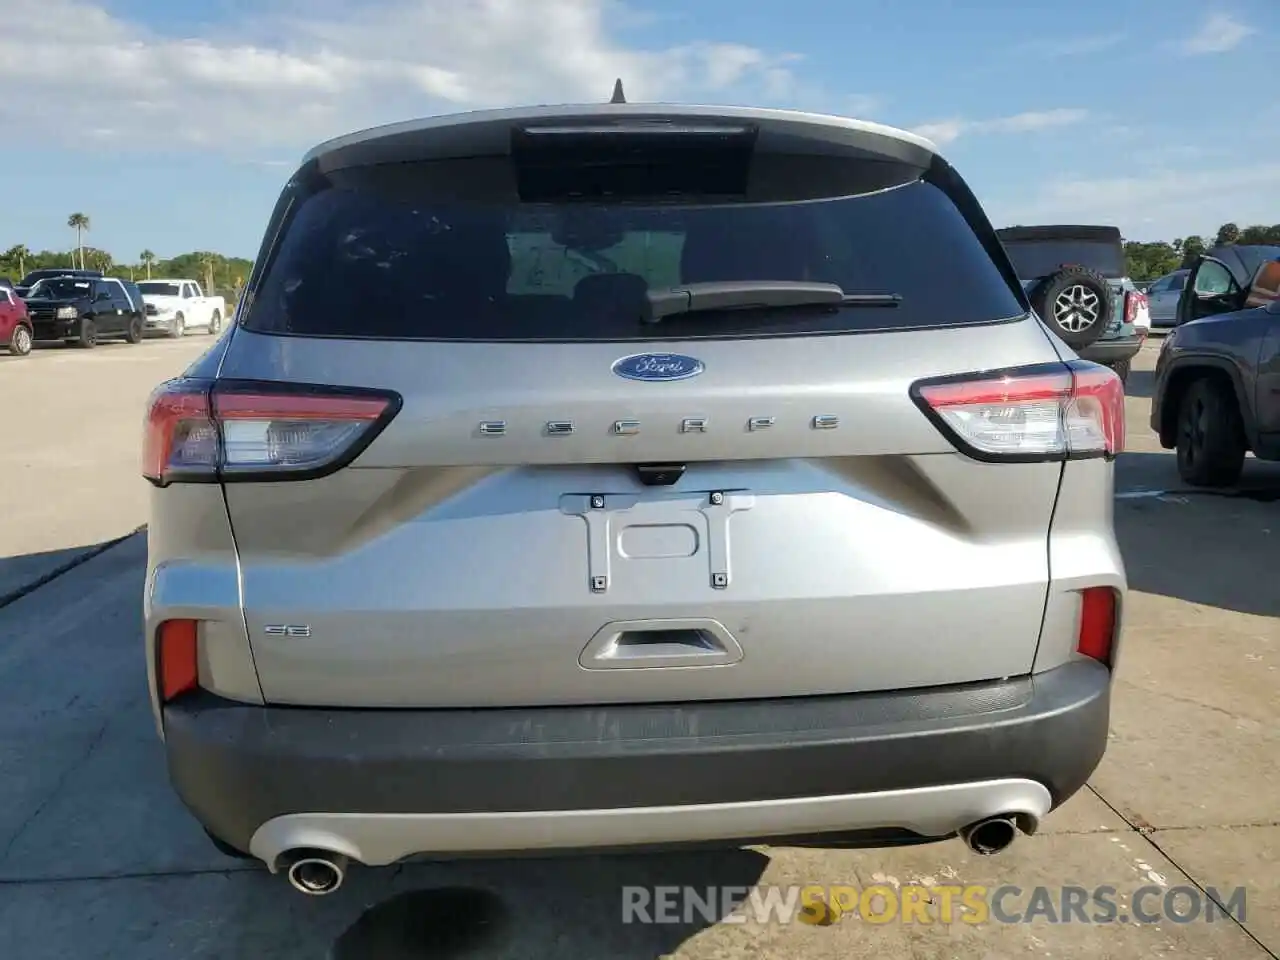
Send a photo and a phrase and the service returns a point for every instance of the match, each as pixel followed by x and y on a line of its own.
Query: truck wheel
pixel 88 338
pixel 1076 304
pixel 134 333
pixel 1211 442
pixel 215 323
pixel 21 342
pixel 179 327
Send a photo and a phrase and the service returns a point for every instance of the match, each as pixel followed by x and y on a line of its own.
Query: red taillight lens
pixel 1097 623
pixel 1043 412
pixel 181 441
pixel 177 660
pixel 1137 310
pixel 233 430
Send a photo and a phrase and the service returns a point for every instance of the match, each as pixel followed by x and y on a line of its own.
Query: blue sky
pixel 1156 115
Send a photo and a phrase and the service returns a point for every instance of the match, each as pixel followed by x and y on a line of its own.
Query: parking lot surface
pixel 98 859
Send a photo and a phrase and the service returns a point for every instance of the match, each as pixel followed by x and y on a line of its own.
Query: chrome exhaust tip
pixel 315 872
pixel 990 836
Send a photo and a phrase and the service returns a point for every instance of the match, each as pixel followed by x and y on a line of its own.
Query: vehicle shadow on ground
pixel 483 910
pixel 21 574
pixel 1141 383
pixel 1220 548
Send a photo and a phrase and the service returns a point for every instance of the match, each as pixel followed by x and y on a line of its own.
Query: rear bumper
pixel 380 785
pixel 1112 351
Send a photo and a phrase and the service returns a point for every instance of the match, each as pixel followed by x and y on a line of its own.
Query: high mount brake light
pixel 1056 411
pixel 201 432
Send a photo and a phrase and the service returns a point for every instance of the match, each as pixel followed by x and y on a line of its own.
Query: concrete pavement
pixel 98 859
pixel 69 459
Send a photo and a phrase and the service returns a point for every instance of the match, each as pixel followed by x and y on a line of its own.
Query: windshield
pixel 35 276
pixel 60 288
pixel 367 263
pixel 155 288
pixel 1033 259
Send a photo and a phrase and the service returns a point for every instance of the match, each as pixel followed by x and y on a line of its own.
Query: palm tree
pixel 19 252
pixel 79 223
pixel 148 259
pixel 207 261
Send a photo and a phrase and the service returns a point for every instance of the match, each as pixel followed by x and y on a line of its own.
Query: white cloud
pixel 943 132
pixel 292 79
pixel 1154 204
pixel 1075 46
pixel 1219 33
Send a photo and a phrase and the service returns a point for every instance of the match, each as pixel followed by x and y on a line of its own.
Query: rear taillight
pixel 1135 304
pixel 177 658
pixel 1052 411
pixel 1097 624
pixel 201 431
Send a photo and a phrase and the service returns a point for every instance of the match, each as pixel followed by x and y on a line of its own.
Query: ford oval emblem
pixel 658 366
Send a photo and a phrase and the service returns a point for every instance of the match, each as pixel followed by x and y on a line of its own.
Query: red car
pixel 15 324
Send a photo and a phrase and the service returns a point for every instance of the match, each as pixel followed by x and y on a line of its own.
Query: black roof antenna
pixel 618 95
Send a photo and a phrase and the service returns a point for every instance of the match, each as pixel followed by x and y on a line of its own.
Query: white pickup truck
pixel 176 306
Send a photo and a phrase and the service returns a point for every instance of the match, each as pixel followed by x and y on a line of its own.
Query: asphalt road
pixel 97 858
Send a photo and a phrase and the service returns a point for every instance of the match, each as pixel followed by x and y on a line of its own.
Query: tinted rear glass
pixel 377 258
pixel 154 288
pixel 1039 258
pixel 62 288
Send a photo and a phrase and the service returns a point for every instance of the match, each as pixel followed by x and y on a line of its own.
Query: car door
pixel 1265 292
pixel 1211 288
pixel 191 306
pixel 1155 292
pixel 8 315
pixel 1163 297
pixel 102 308
pixel 120 297
pixel 112 319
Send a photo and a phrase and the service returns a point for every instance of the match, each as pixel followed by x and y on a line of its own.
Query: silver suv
pixel 618 476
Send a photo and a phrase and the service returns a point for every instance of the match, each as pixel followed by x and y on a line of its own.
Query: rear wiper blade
pixel 740 295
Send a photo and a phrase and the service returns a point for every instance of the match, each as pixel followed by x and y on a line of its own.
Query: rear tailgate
pixel 496 543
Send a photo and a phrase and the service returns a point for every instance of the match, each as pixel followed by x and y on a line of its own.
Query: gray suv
pixel 616 476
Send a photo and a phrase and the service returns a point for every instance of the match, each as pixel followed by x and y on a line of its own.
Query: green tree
pixel 98 259
pixel 1260 234
pixel 207 261
pixel 147 259
pixel 1228 233
pixel 1147 261
pixel 79 222
pixel 19 254
pixel 1192 247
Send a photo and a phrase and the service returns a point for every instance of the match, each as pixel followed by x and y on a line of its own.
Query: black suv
pixel 1075 278
pixel 1217 385
pixel 83 310
pixel 23 289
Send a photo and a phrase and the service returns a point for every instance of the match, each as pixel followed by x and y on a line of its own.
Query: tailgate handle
pixel 650 644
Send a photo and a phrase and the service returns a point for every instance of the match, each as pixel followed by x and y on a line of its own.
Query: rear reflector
pixel 177 664
pixel 1044 412
pixel 199 431
pixel 1097 623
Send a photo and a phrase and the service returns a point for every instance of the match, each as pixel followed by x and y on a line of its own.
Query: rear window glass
pixel 366 260
pixel 1039 258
